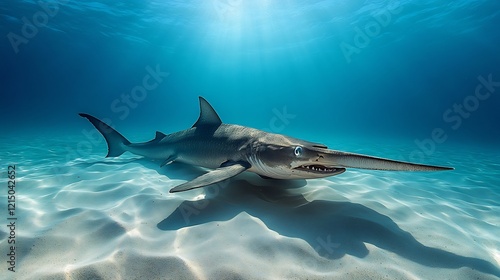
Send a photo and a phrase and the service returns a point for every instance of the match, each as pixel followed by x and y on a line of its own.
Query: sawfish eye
pixel 298 151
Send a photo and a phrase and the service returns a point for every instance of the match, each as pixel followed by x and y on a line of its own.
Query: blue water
pixel 254 56
pixel 410 80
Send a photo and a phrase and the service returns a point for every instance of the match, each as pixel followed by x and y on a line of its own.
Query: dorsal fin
pixel 159 135
pixel 208 116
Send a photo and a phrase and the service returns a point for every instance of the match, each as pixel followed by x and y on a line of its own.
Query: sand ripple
pixel 87 217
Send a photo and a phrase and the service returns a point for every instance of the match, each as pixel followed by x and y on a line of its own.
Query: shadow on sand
pixel 332 228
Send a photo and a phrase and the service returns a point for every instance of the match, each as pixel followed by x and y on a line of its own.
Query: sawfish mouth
pixel 320 169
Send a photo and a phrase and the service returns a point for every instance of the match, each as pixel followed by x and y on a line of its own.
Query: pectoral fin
pixel 227 171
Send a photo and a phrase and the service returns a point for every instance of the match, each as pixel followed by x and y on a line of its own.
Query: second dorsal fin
pixel 158 137
pixel 208 116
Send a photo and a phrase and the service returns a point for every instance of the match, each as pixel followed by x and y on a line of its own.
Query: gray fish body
pixel 192 146
pixel 232 149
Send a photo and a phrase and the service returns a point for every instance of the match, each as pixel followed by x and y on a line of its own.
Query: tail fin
pixel 116 142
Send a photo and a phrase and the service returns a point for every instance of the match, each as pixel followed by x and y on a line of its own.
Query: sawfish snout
pixel 338 159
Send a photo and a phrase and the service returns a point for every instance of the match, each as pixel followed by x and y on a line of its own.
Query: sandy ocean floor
pixel 81 216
